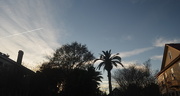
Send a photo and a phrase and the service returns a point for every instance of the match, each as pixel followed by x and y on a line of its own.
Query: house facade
pixel 169 76
pixel 14 77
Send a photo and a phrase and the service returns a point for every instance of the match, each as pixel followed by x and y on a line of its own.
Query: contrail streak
pixel 21 33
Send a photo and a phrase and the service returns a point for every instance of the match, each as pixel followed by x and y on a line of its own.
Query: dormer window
pixel 170 55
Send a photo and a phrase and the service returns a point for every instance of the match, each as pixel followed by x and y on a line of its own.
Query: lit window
pixel 172 70
pixel 165 75
pixel 172 75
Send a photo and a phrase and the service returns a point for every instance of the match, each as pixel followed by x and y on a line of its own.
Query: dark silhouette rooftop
pixel 175 45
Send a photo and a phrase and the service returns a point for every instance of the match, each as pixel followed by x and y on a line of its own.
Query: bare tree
pixel 140 76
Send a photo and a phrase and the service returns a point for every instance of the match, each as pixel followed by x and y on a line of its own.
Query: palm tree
pixel 107 61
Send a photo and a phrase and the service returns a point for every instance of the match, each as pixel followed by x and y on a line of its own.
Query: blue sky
pixel 137 29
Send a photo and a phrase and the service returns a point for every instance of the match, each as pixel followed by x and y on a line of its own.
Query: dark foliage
pixel 82 82
pixel 70 73
pixel 136 81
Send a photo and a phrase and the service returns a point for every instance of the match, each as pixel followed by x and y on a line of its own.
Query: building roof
pixel 175 45
pixel 6 58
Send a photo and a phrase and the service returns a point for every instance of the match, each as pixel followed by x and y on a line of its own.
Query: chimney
pixel 20 56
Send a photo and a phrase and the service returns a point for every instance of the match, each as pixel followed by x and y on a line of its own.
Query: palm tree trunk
pixel 110 85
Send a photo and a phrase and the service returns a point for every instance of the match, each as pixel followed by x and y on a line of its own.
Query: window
pixel 172 74
pixel 172 70
pixel 165 75
pixel 170 55
pixel 162 79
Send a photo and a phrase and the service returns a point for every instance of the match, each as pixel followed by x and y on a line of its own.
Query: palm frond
pixel 104 52
pixel 109 51
pixel 100 65
pixel 117 57
pixel 102 56
pixel 107 54
pixel 114 63
pixel 118 62
pixel 96 60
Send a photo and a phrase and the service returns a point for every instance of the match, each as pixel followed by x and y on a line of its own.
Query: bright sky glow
pixel 136 29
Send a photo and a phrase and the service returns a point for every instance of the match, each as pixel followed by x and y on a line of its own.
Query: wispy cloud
pixel 160 42
pixel 157 57
pixel 127 64
pixel 21 24
pixel 134 52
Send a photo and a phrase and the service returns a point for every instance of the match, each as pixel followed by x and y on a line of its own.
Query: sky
pixel 136 29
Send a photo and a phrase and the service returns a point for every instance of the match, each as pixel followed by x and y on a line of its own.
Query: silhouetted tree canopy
pixel 70 72
pixel 82 82
pixel 70 56
pixel 39 85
